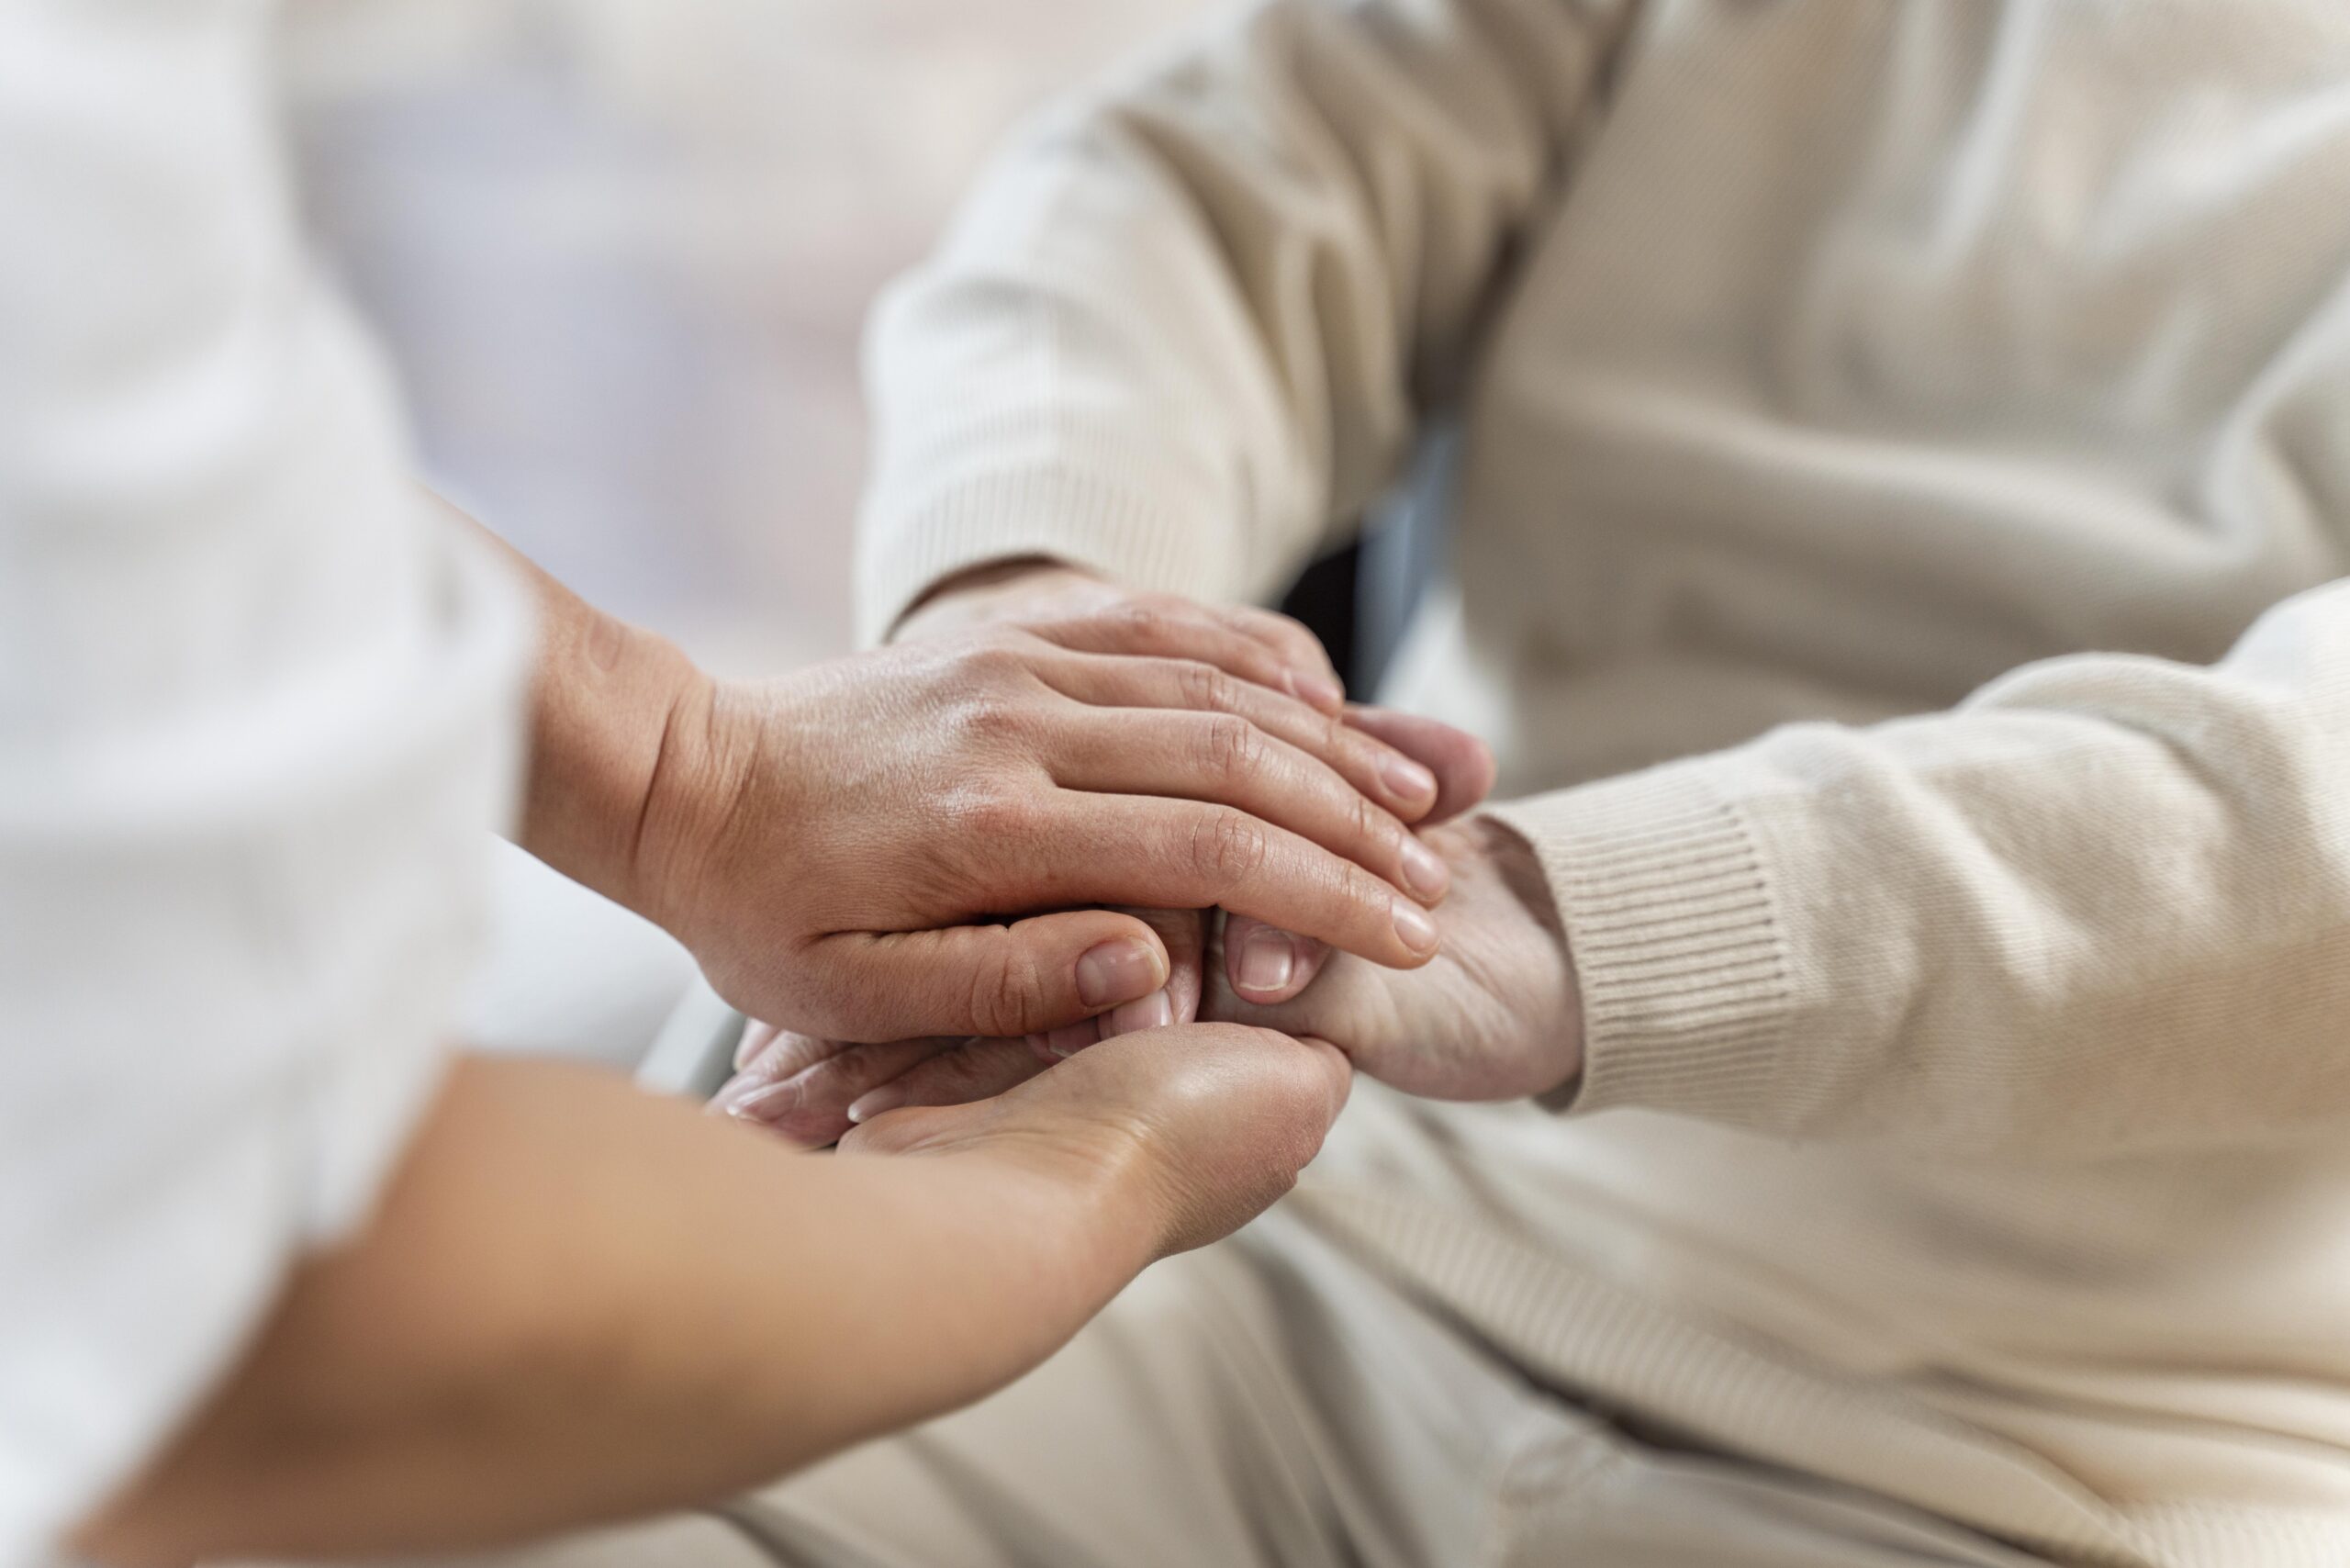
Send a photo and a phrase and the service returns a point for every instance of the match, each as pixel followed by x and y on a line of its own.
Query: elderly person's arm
pixel 1187 325
pixel 2100 909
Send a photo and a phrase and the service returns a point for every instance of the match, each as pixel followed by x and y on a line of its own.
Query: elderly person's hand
pixel 1497 1015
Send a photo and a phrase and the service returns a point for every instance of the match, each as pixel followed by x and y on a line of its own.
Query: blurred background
pixel 621 251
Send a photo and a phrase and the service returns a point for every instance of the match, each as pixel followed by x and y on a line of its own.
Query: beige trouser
pixel 1273 1400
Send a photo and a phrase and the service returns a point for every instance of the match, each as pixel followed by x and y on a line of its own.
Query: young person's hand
pixel 821 842
pixel 1042 597
pixel 635 1311
pixel 1188 1132
pixel 846 849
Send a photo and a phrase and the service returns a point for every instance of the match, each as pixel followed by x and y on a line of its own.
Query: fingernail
pixel 1267 961
pixel 1406 779
pixel 1156 1011
pixel 760 1104
pixel 1414 927
pixel 1071 1038
pixel 1308 686
pixel 873 1101
pixel 1115 972
pixel 1424 870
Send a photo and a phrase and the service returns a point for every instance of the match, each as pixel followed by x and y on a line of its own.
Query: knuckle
pixel 1006 996
pixel 1230 750
pixel 1366 898
pixel 993 717
pixel 991 818
pixel 1339 740
pixel 991 660
pixel 1201 685
pixel 1228 848
pixel 1144 620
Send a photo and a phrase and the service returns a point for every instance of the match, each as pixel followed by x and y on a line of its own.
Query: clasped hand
pixel 832 844
pixel 1495 1016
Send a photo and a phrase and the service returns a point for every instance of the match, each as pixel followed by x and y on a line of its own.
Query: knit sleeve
pixel 2102 906
pixel 1184 328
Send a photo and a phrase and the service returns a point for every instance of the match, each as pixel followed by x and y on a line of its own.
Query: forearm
pixel 577 1301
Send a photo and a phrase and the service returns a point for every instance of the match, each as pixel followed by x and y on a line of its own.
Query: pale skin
pixel 577 1301
pixel 1497 1015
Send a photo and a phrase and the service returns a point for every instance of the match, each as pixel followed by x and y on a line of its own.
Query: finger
pixel 1334 1071
pixel 769 1054
pixel 1184 933
pixel 756 1038
pixel 1266 965
pixel 1377 769
pixel 1298 647
pixel 1176 630
pixel 1029 976
pixel 1462 765
pixel 806 1099
pixel 1221 758
pixel 1085 848
pixel 980 1070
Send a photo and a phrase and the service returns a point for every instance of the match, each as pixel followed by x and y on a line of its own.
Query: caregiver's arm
pixel 1185 325
pixel 577 1301
pixel 831 843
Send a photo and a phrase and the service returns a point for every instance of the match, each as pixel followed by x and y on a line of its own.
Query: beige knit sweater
pixel 1895 434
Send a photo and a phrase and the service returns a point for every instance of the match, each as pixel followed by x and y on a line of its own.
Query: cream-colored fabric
pixel 1273 1403
pixel 1905 442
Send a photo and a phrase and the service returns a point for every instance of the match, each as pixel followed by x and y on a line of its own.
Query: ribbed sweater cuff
pixel 1071 513
pixel 1678 949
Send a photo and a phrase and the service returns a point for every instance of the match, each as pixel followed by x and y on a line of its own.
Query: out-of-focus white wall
pixel 622 249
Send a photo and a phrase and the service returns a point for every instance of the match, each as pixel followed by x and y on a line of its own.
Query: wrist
pixel 1518 867
pixel 700 774
pixel 620 716
pixel 996 592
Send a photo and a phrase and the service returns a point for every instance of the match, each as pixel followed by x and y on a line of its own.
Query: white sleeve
pixel 257 710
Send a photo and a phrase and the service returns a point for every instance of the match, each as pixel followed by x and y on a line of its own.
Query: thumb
pixel 1030 976
pixel 1265 965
